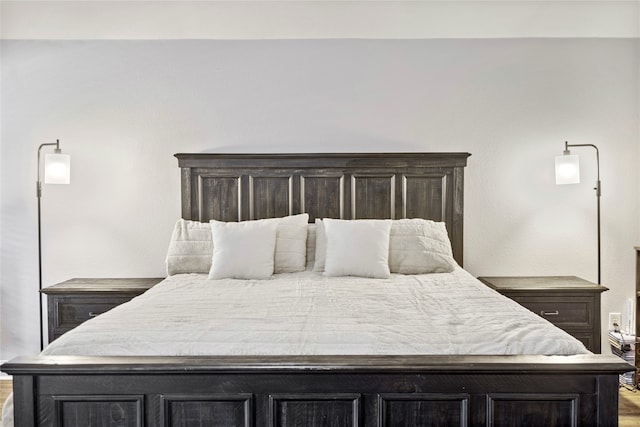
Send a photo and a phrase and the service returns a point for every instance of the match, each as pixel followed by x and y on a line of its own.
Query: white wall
pixel 123 108
pixel 305 19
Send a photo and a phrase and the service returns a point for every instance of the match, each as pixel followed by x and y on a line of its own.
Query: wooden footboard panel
pixel 317 391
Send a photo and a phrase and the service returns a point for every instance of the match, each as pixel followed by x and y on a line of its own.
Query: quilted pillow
pixel 311 246
pixel 321 247
pixel 291 243
pixel 191 246
pixel 419 246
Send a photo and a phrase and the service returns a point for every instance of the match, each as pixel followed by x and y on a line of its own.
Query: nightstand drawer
pixel 70 312
pixel 586 337
pixel 576 313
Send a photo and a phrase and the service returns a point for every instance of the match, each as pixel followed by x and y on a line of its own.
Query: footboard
pixel 317 390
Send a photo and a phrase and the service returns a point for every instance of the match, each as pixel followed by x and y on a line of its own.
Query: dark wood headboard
pixel 238 187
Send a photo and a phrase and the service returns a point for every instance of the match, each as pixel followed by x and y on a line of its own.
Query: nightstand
pixel 77 300
pixel 569 302
pixel 637 328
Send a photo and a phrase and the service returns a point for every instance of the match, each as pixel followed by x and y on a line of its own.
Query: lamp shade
pixel 567 169
pixel 57 168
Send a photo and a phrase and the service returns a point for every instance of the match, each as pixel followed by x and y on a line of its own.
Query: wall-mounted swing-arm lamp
pixel 56 171
pixel 568 172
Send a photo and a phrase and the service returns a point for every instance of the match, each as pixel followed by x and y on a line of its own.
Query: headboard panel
pixel 238 187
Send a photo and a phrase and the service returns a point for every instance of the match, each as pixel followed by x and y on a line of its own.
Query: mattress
pixel 308 314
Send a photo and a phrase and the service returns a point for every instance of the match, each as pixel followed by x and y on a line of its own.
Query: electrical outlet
pixel 615 321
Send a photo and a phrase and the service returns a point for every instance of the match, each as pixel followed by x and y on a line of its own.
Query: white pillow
pixel 419 246
pixel 357 248
pixel 243 250
pixel 190 248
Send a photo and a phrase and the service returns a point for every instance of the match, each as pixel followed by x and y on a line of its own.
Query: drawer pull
pixel 549 313
pixel 92 314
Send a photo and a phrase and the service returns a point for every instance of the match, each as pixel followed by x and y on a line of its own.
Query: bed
pixel 365 377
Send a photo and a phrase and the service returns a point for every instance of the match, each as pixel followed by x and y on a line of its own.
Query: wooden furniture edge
pixel 554 288
pixel 365 384
pixel 311 159
pixel 91 285
pixel 517 364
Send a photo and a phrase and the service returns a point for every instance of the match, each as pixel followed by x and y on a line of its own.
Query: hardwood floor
pixel 629 409
pixel 5 389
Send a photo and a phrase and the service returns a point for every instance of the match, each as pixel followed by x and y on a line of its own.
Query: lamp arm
pixel 566 149
pixel 598 193
pixel 39 182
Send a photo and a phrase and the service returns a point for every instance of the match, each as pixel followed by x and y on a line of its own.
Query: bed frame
pixel 309 391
